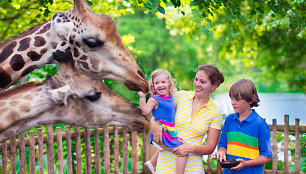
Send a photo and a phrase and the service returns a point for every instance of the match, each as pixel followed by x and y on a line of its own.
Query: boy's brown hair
pixel 245 89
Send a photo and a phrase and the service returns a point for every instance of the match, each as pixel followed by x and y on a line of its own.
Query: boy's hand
pixel 220 155
pixel 241 165
pixel 141 94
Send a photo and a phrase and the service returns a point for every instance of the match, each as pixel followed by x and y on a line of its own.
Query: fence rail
pixel 120 153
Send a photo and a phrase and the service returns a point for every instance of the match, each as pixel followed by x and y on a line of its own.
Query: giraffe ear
pixel 62 25
pixel 60 94
pixel 81 6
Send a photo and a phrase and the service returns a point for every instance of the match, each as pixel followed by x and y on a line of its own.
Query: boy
pixel 245 135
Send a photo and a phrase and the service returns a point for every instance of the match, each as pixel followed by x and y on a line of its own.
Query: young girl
pixel 161 104
pixel 245 135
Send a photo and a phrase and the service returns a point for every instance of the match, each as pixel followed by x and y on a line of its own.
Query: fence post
pixel 87 150
pixel 106 153
pixel 134 152
pixel 59 150
pixel 274 146
pixel 97 151
pixel 297 146
pixel 13 155
pixel 21 144
pixel 78 156
pixel 4 157
pixel 40 150
pixel 32 152
pixel 116 150
pixel 124 150
pixel 286 143
pixel 50 149
pixel 69 154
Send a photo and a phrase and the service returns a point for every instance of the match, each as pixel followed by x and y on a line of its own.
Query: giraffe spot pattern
pixel 84 58
pixel 2 104
pixel 84 64
pixel 76 52
pixel 95 64
pixel 24 44
pixel 33 55
pixel 45 29
pixel 26 107
pixel 28 70
pixel 12 116
pixel 3 110
pixel 28 97
pixel 53 45
pixel 17 62
pixel 14 103
pixel 43 51
pixel 7 51
pixel 5 78
pixel 39 41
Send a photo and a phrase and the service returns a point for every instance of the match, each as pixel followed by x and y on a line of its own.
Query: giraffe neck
pixel 31 49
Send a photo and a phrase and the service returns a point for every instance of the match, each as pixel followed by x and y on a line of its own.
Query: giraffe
pixel 69 97
pixel 93 39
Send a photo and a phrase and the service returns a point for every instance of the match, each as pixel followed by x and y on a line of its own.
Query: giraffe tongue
pixel 132 87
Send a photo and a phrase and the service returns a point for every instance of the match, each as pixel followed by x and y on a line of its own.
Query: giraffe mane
pixel 19 89
pixel 24 33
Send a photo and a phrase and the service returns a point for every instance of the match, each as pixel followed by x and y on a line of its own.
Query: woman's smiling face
pixel 202 84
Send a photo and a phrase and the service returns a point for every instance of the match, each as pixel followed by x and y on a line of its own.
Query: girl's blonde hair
pixel 157 72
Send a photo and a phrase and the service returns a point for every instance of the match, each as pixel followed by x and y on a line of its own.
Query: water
pixel 272 105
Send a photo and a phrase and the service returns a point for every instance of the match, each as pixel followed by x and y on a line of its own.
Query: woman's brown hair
pixel 214 75
pixel 245 89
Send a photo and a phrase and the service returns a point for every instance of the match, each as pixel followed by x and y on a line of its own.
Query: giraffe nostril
pixel 141 73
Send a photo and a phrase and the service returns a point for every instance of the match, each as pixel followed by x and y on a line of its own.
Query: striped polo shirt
pixel 192 129
pixel 247 139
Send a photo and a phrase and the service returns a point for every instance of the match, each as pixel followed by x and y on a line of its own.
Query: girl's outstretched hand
pixel 141 94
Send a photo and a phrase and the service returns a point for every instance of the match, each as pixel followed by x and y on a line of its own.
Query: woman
pixel 196 115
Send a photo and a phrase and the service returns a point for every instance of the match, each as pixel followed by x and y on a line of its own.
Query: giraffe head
pixel 69 97
pixel 96 46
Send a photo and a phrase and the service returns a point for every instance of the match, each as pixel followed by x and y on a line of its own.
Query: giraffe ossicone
pixel 92 39
pixel 69 97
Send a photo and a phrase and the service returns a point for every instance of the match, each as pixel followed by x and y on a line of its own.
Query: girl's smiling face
pixel 161 85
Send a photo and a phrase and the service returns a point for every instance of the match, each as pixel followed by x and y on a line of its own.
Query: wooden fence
pixel 123 151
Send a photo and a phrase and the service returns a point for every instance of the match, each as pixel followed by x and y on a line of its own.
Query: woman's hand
pixel 182 150
pixel 157 132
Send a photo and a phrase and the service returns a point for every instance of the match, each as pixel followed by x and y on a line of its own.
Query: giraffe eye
pixel 92 43
pixel 93 96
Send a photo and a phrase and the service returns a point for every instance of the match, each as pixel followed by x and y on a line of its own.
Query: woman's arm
pixel 208 148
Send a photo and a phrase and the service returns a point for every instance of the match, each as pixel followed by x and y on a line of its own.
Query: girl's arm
pixel 208 148
pixel 220 154
pixel 146 107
